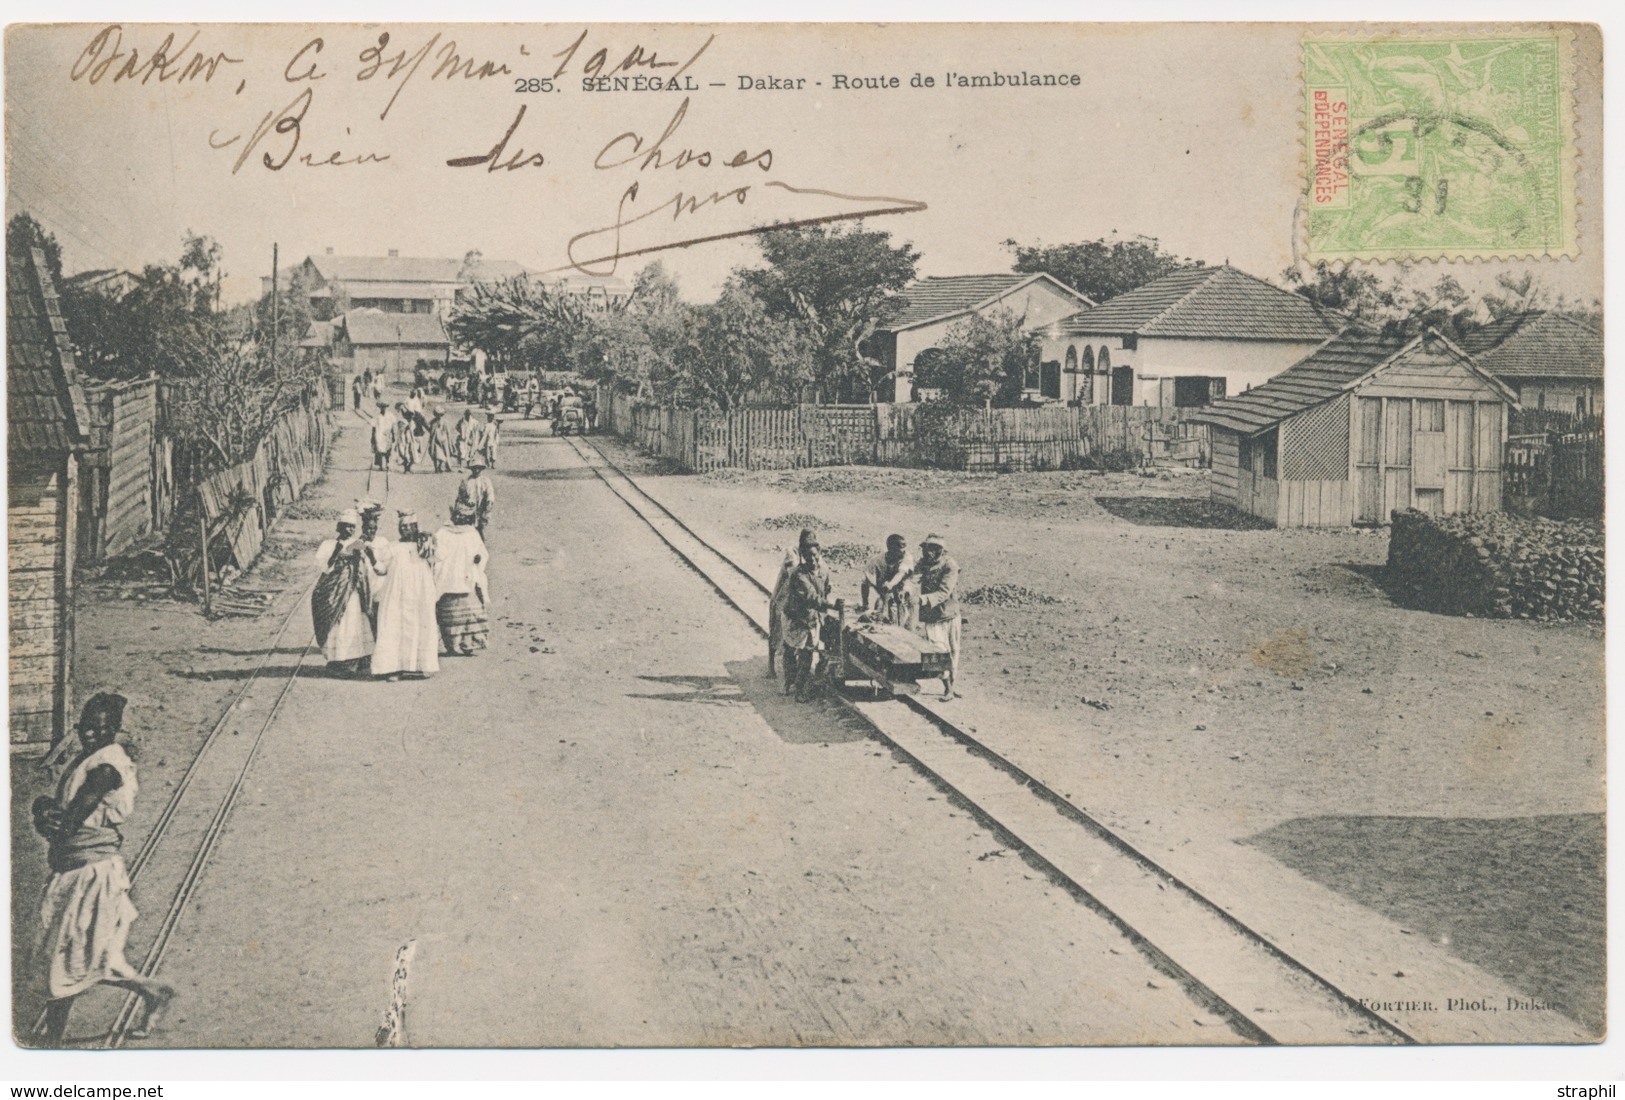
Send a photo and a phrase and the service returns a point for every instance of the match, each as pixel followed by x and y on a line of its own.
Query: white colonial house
pixel 1551 361
pixel 430 284
pixel 1186 339
pixel 932 306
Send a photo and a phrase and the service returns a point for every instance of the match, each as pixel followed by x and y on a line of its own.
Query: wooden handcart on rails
pixel 891 658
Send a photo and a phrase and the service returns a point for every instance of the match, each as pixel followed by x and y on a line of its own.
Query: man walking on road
pixel 939 604
pixel 440 449
pixel 383 437
pixel 467 430
pixel 86 913
pixel 477 494
pixel 405 441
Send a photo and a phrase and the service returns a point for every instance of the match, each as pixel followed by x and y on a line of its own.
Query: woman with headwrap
pixel 86 913
pixel 342 598
pixel 408 639
pixel 460 559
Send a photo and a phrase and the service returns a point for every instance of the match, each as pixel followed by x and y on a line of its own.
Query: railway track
pixel 185 835
pixel 1264 994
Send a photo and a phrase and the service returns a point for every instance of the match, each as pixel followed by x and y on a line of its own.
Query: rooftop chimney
pixel 329 250
pixel 394 253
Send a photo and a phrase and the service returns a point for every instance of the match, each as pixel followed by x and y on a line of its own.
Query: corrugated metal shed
pixel 46 410
pixel 1212 303
pixel 1538 345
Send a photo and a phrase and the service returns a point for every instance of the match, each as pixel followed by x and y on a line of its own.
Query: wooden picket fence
pixel 127 484
pixel 240 502
pixel 902 435
pixel 1557 474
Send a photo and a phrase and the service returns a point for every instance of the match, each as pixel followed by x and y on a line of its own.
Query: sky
pixel 1191 134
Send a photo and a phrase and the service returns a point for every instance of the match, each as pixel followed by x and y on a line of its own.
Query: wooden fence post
pixel 203 539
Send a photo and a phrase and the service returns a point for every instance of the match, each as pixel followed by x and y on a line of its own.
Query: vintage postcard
pixel 610 535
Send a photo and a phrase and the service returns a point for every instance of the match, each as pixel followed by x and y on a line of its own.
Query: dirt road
pixel 1250 706
pixel 609 829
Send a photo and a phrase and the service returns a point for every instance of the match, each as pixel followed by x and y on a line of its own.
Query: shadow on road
pixel 717 691
pixel 568 473
pixel 308 671
pixel 1181 512
pixel 819 722
pixel 285 651
pixel 1521 897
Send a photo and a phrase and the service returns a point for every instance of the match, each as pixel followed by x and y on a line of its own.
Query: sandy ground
pixel 607 830
pixel 1200 683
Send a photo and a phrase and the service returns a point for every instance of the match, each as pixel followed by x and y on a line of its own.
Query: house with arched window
pixel 1186 339
pixel 930 307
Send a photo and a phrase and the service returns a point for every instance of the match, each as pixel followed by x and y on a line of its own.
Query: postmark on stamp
pixel 1445 146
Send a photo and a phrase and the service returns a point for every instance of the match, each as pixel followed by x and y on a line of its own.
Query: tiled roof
pixel 1214 303
pixel 1538 345
pixel 372 327
pixel 1331 369
pixel 939 296
pixel 409 269
pixel 45 406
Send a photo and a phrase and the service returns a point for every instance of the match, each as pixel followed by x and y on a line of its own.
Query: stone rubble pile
pixel 1497 565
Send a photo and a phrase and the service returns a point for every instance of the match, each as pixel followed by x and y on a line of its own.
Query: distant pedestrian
pixel 414 409
pixel 805 604
pixel 493 433
pixel 383 437
pixel 408 639
pixel 404 439
pixel 477 493
pixel 460 558
pixel 342 598
pixel 463 443
pixel 939 604
pixel 356 391
pixel 86 913
pixel 440 444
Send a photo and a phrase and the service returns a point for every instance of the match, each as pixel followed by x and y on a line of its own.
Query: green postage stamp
pixel 1446 146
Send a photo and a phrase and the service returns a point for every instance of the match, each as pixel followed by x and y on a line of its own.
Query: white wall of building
pixel 1040 302
pixel 1241 363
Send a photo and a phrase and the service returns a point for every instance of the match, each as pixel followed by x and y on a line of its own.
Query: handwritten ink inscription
pixel 304 130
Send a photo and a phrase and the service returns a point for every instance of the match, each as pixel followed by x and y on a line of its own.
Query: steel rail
pixel 200 859
pixel 1039 790
pixel 160 826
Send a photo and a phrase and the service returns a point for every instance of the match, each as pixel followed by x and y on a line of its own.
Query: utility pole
pixel 275 315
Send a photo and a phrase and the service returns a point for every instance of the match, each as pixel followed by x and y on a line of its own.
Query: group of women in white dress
pixel 386 608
